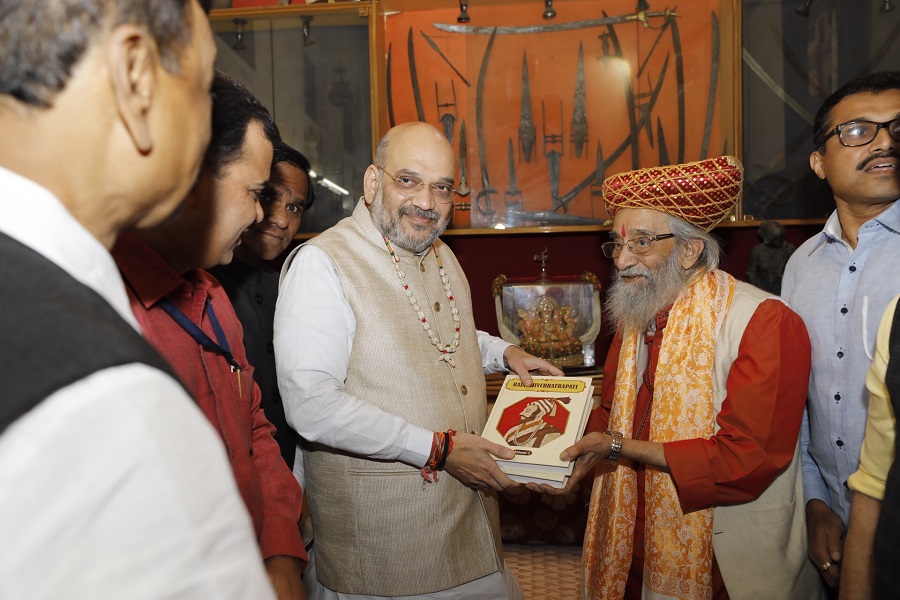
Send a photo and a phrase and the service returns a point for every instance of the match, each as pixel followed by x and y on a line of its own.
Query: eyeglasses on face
pixel 639 245
pixel 409 187
pixel 860 133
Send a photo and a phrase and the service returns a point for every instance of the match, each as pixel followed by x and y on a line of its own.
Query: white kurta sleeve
pixel 492 349
pixel 314 331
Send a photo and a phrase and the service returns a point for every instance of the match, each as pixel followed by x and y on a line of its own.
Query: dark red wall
pixel 486 256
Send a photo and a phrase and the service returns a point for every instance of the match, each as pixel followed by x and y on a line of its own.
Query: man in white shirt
pixel 381 371
pixel 112 483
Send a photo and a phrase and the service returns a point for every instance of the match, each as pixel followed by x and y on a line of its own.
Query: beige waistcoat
pixel 761 545
pixel 380 530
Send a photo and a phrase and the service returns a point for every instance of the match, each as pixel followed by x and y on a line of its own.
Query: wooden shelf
pixel 269 12
pixel 389 6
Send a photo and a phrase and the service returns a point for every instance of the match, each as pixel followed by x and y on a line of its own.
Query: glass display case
pixel 796 53
pixel 557 319
pixel 541 104
pixel 310 66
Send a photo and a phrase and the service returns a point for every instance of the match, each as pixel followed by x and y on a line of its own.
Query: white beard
pixel 635 305
pixel 389 225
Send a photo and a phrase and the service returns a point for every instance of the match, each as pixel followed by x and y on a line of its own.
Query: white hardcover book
pixel 539 480
pixel 539 422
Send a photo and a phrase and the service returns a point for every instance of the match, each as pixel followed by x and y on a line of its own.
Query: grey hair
pixel 382 150
pixel 43 40
pixel 712 250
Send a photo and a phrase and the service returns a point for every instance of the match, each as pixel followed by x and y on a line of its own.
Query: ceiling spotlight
pixel 239 23
pixel 803 9
pixel 463 12
pixel 308 39
pixel 549 13
pixel 887 6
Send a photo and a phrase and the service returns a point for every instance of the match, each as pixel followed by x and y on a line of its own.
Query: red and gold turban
pixel 701 193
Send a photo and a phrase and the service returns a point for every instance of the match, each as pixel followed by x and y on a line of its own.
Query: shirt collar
pixel 889 218
pixel 148 275
pixel 33 216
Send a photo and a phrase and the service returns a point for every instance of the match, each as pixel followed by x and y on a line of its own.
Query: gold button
pixel 437 307
pixel 422 267
pixel 464 390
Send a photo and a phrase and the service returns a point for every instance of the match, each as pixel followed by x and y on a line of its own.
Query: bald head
pixel 411 133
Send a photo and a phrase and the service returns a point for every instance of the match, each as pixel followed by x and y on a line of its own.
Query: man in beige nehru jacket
pixel 381 371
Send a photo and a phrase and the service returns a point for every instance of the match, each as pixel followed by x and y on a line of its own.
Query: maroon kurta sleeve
pixel 598 420
pixel 760 417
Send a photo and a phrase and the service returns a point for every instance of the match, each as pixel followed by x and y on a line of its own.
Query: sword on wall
pixel 463 188
pixel 527 133
pixel 444 56
pixel 629 96
pixel 484 208
pixel 413 76
pixel 713 83
pixel 390 89
pixel 579 114
pixel 448 119
pixel 639 17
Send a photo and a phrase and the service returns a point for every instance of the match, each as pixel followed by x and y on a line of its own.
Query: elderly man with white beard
pixel 700 495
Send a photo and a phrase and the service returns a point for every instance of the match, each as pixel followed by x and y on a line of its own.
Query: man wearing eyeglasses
pixel 702 399
pixel 381 371
pixel 840 282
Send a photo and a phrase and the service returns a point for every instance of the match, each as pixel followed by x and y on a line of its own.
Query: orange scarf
pixel 678 547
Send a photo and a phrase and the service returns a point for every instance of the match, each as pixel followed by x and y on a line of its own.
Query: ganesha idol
pixel 557 320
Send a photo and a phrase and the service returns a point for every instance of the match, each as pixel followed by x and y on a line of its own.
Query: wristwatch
pixel 615 450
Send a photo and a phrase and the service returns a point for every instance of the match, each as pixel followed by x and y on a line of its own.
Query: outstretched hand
pixel 524 365
pixel 471 463
pixel 587 452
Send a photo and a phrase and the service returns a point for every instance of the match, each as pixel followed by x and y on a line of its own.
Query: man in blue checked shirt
pixel 840 282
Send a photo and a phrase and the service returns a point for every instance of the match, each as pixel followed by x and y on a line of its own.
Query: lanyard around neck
pixel 199 335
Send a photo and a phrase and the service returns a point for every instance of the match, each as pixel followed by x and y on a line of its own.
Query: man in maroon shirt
pixel 186 315
pixel 702 398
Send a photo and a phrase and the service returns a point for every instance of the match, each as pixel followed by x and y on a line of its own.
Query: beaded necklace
pixel 449 349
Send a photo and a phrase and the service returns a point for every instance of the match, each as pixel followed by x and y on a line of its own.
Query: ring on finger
pixel 826 566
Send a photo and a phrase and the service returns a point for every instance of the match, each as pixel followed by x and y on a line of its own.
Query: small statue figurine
pixel 767 260
pixel 548 330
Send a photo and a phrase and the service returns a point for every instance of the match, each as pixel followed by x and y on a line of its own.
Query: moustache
pixel 879 156
pixel 418 212
pixel 635 270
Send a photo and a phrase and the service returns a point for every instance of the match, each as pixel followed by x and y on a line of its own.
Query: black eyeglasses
pixel 860 133
pixel 409 187
pixel 639 245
